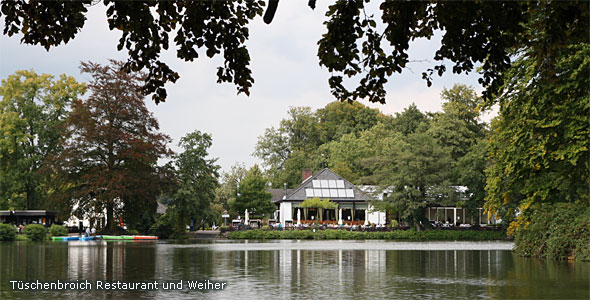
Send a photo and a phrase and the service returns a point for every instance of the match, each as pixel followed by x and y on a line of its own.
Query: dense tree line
pixel 96 156
pixel 421 155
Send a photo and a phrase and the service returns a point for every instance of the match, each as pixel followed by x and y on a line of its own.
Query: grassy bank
pixel 431 235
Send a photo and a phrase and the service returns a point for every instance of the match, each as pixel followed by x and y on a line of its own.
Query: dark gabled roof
pixel 278 194
pixel 299 194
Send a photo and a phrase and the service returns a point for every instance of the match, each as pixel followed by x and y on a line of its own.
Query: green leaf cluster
pixel 217 27
pixel 299 142
pixel 252 195
pixel 58 230
pixel 35 232
pixel 32 110
pixel 7 232
pixel 368 46
pixel 541 140
pixel 318 203
pixel 556 231
pixel 196 177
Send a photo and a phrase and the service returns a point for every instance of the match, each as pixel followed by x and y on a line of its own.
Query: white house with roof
pixel 352 204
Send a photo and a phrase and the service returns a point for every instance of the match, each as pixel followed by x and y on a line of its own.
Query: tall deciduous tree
pixel 458 127
pixel 540 143
pixel 32 108
pixel 351 153
pixel 295 145
pixel 111 147
pixel 340 118
pixel 291 147
pixel 409 121
pixel 226 193
pixel 197 180
pixel 252 194
pixel 417 175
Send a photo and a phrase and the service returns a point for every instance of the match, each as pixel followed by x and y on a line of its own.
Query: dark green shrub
pixel 58 230
pixel 35 232
pixel 7 232
pixel 164 225
pixel 558 231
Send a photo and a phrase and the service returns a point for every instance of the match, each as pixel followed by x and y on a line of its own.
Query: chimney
pixel 285 189
pixel 306 173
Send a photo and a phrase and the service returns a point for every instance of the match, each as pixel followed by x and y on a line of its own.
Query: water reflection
pixel 291 269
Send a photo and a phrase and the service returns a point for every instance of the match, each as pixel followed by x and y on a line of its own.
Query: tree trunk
pixel 180 224
pixel 28 188
pixel 110 226
pixel 420 217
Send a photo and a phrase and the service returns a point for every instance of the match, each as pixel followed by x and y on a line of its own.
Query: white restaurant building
pixel 353 204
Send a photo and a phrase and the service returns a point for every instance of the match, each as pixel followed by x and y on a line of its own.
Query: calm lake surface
pixel 290 269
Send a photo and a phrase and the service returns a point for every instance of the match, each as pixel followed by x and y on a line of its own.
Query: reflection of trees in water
pixel 110 261
pixel 86 260
pixel 299 273
pixel 31 261
pixel 190 263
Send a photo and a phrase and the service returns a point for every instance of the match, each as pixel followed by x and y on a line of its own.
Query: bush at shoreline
pixel 337 234
pixel 7 232
pixel 58 230
pixel 558 231
pixel 35 232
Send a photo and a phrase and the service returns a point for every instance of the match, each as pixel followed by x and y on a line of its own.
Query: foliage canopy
pixel 360 41
pixel 110 148
pixel 196 177
pixel 32 109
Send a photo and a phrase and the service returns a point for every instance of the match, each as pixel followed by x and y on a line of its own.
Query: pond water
pixel 285 269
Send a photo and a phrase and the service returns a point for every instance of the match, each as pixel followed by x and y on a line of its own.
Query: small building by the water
pixel 25 217
pixel 352 204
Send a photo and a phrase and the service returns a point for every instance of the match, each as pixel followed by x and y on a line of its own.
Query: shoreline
pixel 339 234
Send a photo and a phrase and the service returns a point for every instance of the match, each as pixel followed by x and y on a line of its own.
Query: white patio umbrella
pixel 298 216
pixel 340 216
pixel 366 217
pixel 247 217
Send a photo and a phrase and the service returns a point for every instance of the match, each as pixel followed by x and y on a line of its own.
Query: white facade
pixel 285 214
pixel 376 217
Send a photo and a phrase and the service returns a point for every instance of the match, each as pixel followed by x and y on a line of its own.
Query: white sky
pixel 285 69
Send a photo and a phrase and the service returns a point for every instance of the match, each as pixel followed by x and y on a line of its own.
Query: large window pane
pixel 340 184
pixel 333 193
pixel 317 192
pixel 350 193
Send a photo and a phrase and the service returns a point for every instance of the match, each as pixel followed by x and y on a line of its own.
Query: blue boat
pixel 65 238
pixel 87 238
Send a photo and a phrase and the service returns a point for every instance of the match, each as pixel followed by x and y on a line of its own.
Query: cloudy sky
pixel 284 65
